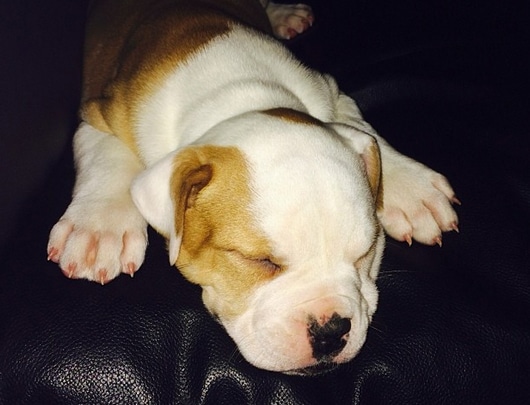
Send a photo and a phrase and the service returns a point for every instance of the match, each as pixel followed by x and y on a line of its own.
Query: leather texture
pixel 445 82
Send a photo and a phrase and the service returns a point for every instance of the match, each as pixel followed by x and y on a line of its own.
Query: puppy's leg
pixel 417 201
pixel 101 234
pixel 288 20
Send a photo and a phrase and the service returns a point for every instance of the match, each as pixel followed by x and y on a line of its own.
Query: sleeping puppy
pixel 270 188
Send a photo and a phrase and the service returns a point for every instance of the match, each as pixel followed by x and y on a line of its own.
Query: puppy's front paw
pixel 98 241
pixel 417 203
pixel 289 20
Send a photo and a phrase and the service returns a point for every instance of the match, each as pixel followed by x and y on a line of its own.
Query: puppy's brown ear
pixel 190 175
pixel 367 147
pixel 372 160
pixel 164 191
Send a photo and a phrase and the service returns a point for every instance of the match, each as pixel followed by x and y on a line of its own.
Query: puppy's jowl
pixel 271 189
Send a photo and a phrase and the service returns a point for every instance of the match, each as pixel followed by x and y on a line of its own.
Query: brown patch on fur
pixel 293 116
pixel 131 48
pixel 372 159
pixel 222 247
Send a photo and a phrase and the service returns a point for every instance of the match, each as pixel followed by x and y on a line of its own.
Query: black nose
pixel 328 339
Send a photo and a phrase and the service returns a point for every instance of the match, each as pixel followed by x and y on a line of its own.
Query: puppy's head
pixel 275 217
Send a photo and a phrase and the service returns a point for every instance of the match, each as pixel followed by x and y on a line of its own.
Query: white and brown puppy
pixel 263 177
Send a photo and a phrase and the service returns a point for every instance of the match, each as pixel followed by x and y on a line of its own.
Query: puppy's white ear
pixel 164 191
pixel 366 146
pixel 150 192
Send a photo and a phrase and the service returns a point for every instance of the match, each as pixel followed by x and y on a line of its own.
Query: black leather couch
pixel 444 81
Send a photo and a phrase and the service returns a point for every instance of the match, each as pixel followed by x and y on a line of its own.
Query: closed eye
pixel 268 264
pixel 263 262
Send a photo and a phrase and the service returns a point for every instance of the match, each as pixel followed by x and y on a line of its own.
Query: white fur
pixel 311 197
pixel 151 194
pixel 102 220
pixel 185 108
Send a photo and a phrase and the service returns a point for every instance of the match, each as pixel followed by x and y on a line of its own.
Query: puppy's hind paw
pixel 289 20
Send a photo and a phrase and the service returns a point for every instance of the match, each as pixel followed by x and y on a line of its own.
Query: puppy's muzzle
pixel 328 339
